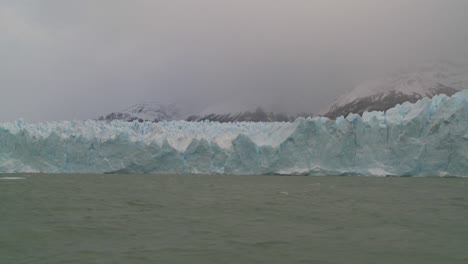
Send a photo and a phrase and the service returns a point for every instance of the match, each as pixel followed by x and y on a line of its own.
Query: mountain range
pixel 225 112
pixel 408 85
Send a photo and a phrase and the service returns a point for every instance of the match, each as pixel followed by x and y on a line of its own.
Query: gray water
pixel 232 219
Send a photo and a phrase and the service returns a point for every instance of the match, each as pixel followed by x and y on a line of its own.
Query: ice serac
pixel 428 138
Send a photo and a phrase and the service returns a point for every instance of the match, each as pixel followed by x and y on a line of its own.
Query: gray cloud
pixel 78 59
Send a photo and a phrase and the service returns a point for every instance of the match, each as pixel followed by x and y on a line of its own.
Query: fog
pixel 80 59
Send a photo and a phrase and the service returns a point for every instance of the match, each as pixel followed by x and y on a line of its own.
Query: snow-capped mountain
pixel 380 95
pixel 225 112
pixel 230 112
pixel 149 111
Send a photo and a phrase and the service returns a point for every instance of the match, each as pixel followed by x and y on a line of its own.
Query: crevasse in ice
pixel 428 138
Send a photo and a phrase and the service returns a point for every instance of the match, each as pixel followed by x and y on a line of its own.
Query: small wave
pixel 12 178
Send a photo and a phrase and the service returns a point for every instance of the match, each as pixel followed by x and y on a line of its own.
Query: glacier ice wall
pixel 427 138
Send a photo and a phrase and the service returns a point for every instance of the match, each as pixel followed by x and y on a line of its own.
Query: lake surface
pixel 232 219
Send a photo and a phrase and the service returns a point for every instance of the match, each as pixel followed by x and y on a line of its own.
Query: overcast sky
pixel 78 59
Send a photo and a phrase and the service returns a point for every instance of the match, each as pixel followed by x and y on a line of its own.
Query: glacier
pixel 427 138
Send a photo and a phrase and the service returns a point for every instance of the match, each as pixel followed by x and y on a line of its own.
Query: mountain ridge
pixel 157 112
pixel 404 86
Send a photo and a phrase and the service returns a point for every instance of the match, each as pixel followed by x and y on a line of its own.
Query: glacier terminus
pixel 427 138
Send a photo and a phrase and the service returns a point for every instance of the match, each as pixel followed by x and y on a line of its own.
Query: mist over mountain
pixel 67 60
pixel 149 111
pixel 408 85
pixel 157 112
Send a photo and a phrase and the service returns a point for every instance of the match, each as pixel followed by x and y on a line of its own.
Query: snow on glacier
pixel 428 138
